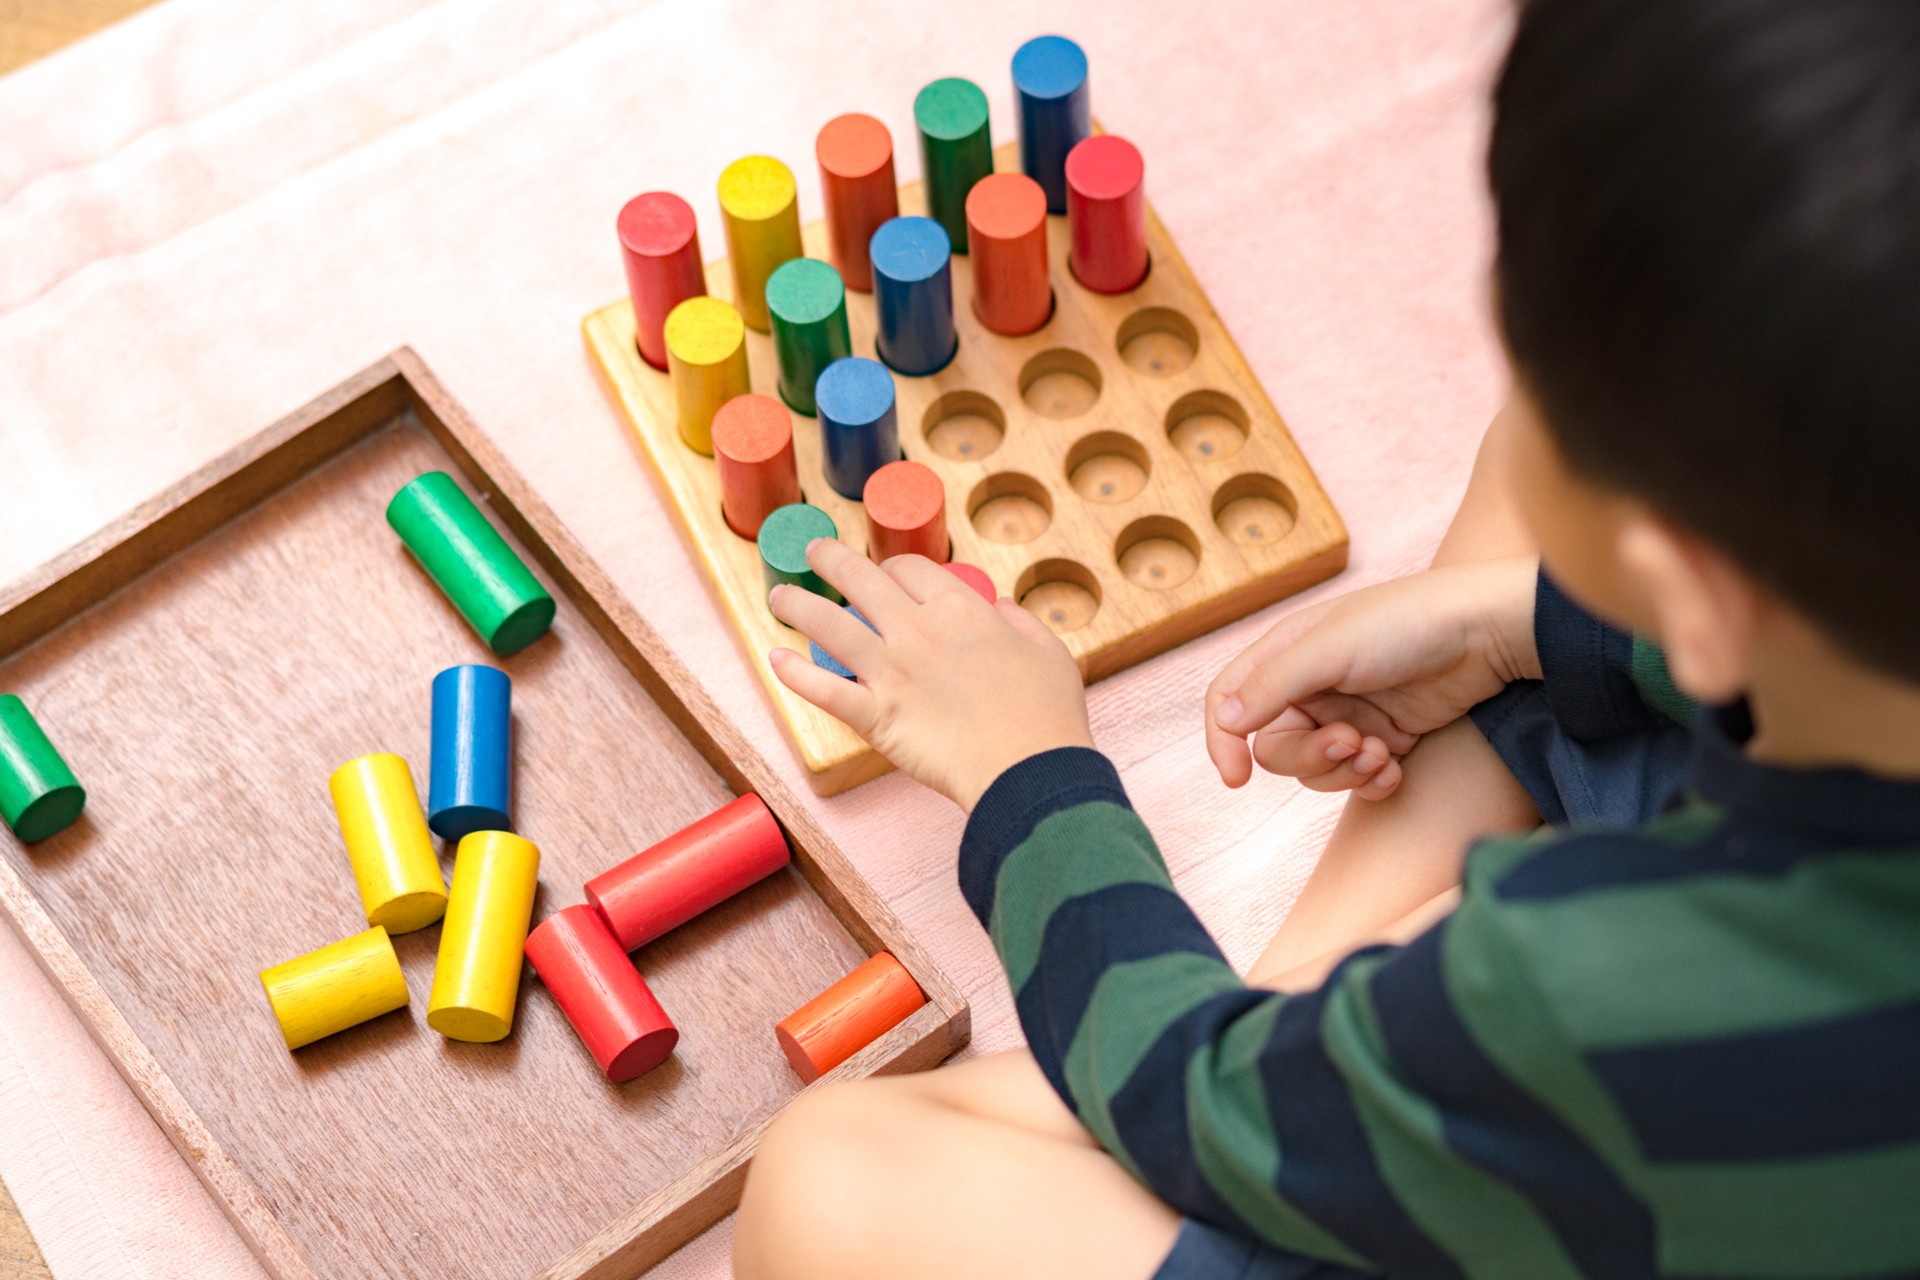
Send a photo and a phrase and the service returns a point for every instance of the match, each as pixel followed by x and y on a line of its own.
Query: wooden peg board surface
pixel 1120 472
pixel 203 665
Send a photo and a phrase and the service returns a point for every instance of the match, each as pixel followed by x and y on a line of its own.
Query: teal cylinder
pixel 956 150
pixel 783 540
pixel 807 303
pixel 39 795
pixel 490 585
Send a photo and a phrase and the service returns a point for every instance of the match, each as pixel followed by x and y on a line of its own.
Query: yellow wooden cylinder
pixel 388 843
pixel 761 208
pixel 339 986
pixel 477 979
pixel 707 358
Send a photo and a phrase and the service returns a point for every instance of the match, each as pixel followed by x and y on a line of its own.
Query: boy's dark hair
pixel 1709 278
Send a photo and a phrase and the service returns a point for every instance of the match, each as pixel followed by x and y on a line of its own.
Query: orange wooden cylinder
pixel 906 509
pixel 856 180
pixel 753 449
pixel 1007 239
pixel 848 1016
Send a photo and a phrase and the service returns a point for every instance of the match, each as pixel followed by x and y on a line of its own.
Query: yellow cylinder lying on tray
pixel 476 981
pixel 339 986
pixel 387 841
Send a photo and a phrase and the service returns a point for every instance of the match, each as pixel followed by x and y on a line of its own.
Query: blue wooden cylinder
pixel 859 425
pixel 913 296
pixel 472 748
pixel 1054 108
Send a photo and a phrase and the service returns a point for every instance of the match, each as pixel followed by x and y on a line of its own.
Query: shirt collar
pixel 1843 806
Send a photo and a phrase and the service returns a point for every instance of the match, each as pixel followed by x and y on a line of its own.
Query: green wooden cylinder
pixel 38 793
pixel 807 303
pixel 956 150
pixel 471 562
pixel 784 536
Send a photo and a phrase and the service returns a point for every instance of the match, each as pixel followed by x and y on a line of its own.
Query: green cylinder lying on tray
pixel 490 585
pixel 39 795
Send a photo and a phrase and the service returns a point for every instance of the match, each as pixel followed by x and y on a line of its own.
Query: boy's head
pixel 1709 280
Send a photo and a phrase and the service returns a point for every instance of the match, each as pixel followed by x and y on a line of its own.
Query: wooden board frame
pixel 1184 498
pixel 251 474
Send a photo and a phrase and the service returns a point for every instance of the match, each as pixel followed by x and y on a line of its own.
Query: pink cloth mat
pixel 217 210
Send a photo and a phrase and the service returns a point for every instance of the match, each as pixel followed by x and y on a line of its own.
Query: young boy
pixel 1681 1050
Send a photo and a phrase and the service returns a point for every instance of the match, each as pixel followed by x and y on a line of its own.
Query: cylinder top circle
pixel 754 188
pixel 656 224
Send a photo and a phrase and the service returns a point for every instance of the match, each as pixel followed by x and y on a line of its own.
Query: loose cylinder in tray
pixel 467 782
pixel 1007 226
pixel 602 994
pixel 476 980
pixel 660 247
pixel 490 585
pixel 39 795
pixel 856 179
pixel 697 867
pixel 388 843
pixel 338 986
pixel 848 1016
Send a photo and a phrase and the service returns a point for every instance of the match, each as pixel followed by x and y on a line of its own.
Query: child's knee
pixel 816 1183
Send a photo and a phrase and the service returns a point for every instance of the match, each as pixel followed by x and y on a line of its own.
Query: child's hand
pixel 1333 695
pixel 952 690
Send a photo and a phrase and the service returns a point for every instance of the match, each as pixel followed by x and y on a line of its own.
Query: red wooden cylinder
pixel 696 868
pixel 1107 214
pixel 848 1016
pixel 660 243
pixel 1007 239
pixel 856 180
pixel 602 994
pixel 906 512
pixel 753 449
pixel 974 577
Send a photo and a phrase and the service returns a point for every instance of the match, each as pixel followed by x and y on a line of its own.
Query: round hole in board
pixel 1061 593
pixel 1207 426
pixel 1060 383
pixel 1158 342
pixel 1157 552
pixel 1108 467
pixel 1254 510
pixel 1010 508
pixel 964 426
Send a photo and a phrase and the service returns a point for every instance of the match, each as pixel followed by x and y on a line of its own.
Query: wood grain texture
pixel 1128 536
pixel 19 1257
pixel 32 29
pixel 205 663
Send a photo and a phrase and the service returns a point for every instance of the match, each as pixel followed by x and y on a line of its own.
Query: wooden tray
pixel 1120 472
pixel 203 665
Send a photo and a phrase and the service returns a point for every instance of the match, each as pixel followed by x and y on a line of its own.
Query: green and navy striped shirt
pixel 1691 1050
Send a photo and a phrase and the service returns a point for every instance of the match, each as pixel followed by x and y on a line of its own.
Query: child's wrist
pixel 1509 617
pixel 988 768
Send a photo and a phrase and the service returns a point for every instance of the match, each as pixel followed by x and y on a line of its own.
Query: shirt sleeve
pixel 1315 1122
pixel 1601 681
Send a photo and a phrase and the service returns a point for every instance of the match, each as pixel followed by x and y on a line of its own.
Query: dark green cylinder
pixel 490 585
pixel 784 536
pixel 956 150
pixel 807 303
pixel 38 793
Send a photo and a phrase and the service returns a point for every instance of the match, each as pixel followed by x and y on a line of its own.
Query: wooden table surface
pixel 31 29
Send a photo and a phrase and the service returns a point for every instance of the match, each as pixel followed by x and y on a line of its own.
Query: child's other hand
pixel 951 689
pixel 1333 695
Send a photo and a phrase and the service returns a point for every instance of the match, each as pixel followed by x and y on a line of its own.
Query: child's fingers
pixel 1308 751
pixel 843 699
pixel 859 579
pixel 1026 624
pixel 1355 772
pixel 921 578
pixel 827 624
pixel 1305 668
pixel 1232 759
pixel 1363 714
pixel 1382 784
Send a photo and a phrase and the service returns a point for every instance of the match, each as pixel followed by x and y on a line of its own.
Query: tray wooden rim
pixel 255 471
